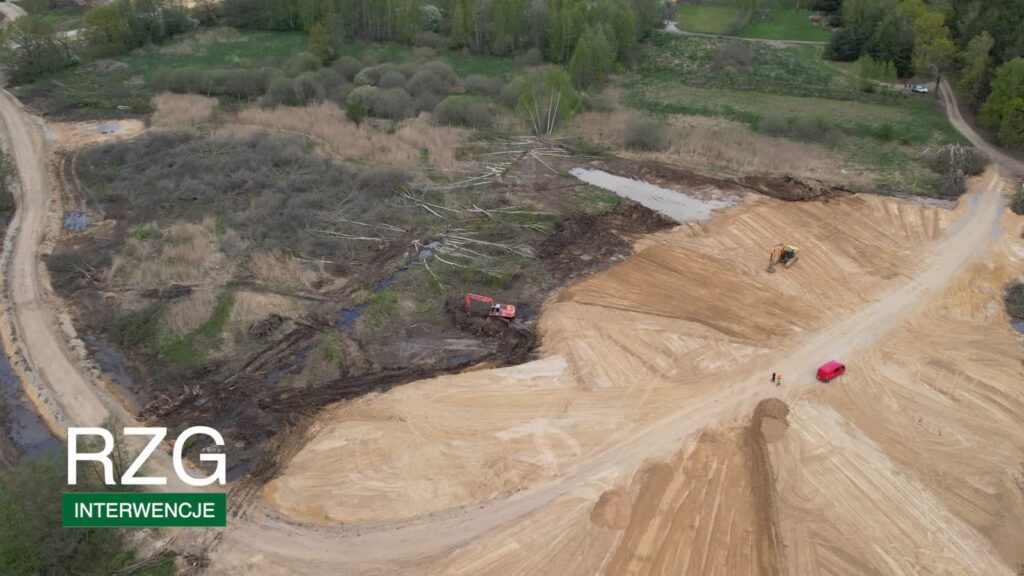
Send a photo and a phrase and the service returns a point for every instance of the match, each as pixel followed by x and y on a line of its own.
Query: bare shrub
pixel 427 101
pixel 347 66
pixel 597 103
pixel 382 179
pixel 646 133
pixel 393 103
pixel 392 79
pixel 282 91
pixel 1017 203
pixel 435 78
pixel 531 57
pixel 737 55
pixel 328 123
pixel 807 129
pixel 468 111
pixel 1014 300
pixel 512 91
pixel 483 85
pixel 953 157
pixel 181 110
pixel 302 62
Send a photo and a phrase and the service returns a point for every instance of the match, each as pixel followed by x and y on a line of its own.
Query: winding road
pixel 77 399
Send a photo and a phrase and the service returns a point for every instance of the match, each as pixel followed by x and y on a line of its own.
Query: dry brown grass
pixel 182 110
pixel 187 314
pixel 200 40
pixel 719 145
pixel 180 253
pixel 251 307
pixel 275 268
pixel 369 140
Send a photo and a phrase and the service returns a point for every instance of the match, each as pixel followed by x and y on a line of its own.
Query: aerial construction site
pixel 514 288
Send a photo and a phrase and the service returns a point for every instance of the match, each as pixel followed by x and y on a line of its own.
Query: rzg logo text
pixel 156 436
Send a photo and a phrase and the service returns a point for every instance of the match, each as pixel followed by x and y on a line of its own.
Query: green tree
pixel 30 47
pixel 893 41
pixel 32 541
pixel 1007 86
pixel 976 73
pixel 320 43
pixel 106 30
pixel 934 50
pixel 1011 130
pixel 592 59
pixel 547 99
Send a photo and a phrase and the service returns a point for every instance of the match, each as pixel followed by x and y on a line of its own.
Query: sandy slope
pixel 535 469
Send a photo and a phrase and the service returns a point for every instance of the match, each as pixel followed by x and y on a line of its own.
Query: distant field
pixel 782 24
pixel 706 19
pixel 65 19
pixel 787 25
pixel 790 91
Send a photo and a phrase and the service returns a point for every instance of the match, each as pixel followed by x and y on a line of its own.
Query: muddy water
pixel 19 421
pixel 675 205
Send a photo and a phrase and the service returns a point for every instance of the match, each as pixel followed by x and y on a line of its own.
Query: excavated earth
pixel 648 439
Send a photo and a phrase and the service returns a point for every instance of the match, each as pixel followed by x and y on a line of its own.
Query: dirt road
pixel 75 400
pixel 953 113
pixel 11 11
pixel 55 381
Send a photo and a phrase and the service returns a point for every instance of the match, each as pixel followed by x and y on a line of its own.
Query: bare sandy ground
pixel 628 448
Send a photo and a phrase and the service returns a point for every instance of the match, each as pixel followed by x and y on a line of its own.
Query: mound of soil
pixel 586 243
pixel 791 189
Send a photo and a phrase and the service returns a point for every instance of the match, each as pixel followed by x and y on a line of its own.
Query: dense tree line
pixel 603 31
pixel 981 42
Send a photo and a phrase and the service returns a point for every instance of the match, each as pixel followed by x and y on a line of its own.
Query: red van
pixel 829 370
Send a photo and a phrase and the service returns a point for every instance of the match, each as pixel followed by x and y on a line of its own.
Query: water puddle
pixel 114 364
pixel 1018 325
pixel 347 317
pixel 77 221
pixel 675 205
pixel 20 421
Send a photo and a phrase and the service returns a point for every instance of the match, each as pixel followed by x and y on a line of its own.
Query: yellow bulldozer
pixel 785 254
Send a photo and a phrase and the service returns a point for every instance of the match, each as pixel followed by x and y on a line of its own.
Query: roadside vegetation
pixel 33 542
pixel 823 124
pixel 980 44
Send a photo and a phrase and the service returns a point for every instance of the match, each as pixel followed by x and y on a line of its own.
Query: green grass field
pixel 754 82
pixel 65 19
pixel 726 20
pixel 707 19
pixel 787 25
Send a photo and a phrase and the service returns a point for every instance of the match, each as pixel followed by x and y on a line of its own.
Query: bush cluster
pixel 461 110
pixel 818 129
pixel 646 133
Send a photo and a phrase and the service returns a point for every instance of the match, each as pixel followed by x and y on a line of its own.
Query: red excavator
pixel 477 305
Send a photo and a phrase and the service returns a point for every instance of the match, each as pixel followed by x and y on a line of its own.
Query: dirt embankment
pixel 782 187
pixel 718 490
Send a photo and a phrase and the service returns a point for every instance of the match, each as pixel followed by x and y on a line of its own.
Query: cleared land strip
pixel 443 530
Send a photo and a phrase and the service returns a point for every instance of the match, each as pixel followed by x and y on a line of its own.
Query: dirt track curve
pixel 647 362
pixel 55 380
